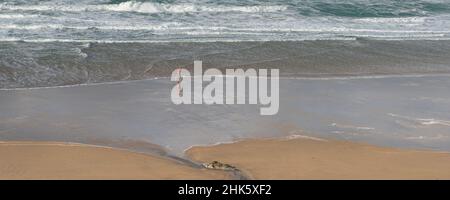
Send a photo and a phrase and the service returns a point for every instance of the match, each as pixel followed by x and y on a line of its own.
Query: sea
pixel 114 21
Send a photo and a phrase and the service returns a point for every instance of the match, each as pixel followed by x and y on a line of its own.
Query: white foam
pixel 259 34
pixel 296 136
pixel 352 127
pixel 394 20
pixel 81 84
pixel 143 7
pixel 16 16
pixel 49 40
pixel 147 7
pixel 421 137
pixel 422 121
pixel 337 29
pixel 281 78
pixel 356 76
pixel 31 27
pixel 206 29
pixel 434 122
pixel 101 27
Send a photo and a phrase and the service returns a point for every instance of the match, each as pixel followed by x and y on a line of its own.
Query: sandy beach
pixel 298 158
pixel 322 159
pixel 50 160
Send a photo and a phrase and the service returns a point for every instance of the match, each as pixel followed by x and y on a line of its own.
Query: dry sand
pixel 47 160
pixel 321 159
pixel 258 159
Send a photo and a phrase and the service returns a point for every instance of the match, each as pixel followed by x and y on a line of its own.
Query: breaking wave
pixel 143 7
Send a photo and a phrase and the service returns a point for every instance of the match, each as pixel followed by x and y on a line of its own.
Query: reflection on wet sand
pixel 388 111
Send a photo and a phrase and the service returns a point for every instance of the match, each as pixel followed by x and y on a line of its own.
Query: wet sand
pixel 49 160
pixel 322 159
pixel 299 158
pixel 405 112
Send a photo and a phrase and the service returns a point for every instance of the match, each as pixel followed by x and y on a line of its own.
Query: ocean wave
pixel 208 40
pixel 176 28
pixel 16 16
pixel 147 7
pixel 82 84
pixel 379 8
pixel 303 29
pixel 137 41
pixel 298 136
pixel 143 7
pixel 421 137
pixel 101 27
pixel 342 126
pixel 422 121
pixel 207 21
pixel 413 20
pixel 51 40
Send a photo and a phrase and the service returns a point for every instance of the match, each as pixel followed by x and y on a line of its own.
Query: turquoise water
pixel 229 20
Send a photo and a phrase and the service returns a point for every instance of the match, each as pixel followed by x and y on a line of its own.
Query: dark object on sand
pixel 219 165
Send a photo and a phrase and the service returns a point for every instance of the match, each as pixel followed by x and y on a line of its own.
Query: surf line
pixel 232 90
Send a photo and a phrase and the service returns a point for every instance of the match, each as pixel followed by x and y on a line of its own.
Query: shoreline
pixel 312 76
pixel 273 158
